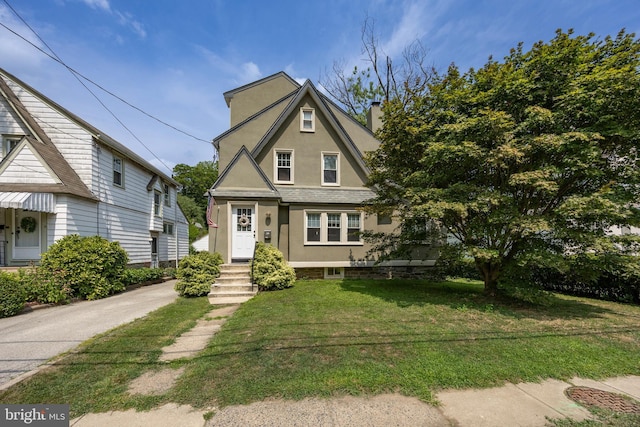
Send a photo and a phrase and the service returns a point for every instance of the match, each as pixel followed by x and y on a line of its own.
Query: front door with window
pixel 26 235
pixel 154 251
pixel 243 234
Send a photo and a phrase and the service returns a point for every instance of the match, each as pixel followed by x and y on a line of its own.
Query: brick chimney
pixel 374 116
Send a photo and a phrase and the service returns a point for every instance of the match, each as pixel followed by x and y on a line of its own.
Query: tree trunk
pixel 490 273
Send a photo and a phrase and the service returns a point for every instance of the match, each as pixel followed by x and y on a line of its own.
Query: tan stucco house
pixel 293 175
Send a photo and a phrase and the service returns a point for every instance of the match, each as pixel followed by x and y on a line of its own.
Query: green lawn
pixel 326 338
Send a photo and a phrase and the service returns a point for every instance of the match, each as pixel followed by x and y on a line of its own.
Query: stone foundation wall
pixel 370 273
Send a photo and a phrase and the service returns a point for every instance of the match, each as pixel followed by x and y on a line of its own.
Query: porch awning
pixel 39 202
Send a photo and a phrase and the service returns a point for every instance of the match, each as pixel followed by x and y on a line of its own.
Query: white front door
pixel 26 235
pixel 243 219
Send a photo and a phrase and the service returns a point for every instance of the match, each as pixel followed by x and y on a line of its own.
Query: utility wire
pixel 57 58
pixel 75 72
pixel 77 75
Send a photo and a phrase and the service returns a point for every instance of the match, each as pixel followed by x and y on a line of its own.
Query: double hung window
pixel 330 166
pixel 333 228
pixel 283 167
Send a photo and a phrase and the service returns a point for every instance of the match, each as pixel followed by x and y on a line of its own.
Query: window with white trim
pixel 283 166
pixel 167 228
pixel 333 228
pixel 307 120
pixel 167 194
pixel 334 273
pixel 156 203
pixel 118 171
pixel 330 168
pixel 8 144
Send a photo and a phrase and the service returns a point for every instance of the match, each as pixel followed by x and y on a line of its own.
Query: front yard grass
pixel 330 338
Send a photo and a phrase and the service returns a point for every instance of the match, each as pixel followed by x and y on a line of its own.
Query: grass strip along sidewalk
pixel 330 338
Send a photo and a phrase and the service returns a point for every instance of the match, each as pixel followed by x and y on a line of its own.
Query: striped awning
pixel 39 202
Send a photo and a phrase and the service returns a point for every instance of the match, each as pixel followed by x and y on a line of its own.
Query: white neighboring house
pixel 201 244
pixel 59 175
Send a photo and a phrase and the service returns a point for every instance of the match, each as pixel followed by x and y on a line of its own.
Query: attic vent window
pixel 307 120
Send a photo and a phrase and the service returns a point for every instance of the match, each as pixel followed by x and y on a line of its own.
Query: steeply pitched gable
pixel 68 180
pixel 308 89
pixel 244 174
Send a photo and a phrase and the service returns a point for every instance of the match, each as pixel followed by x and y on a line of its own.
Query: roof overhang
pixel 38 202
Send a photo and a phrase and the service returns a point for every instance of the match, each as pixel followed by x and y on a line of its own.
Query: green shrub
pixel 42 286
pixel 12 295
pixel 270 269
pixel 92 267
pixel 135 276
pixel 196 273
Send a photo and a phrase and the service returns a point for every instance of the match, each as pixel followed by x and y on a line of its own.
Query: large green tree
pixel 195 181
pixel 534 156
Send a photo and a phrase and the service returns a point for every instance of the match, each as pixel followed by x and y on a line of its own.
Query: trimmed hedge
pixel 196 273
pixel 270 270
pixel 91 267
pixel 12 295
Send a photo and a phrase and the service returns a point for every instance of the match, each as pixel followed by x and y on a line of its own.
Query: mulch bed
pixel 603 399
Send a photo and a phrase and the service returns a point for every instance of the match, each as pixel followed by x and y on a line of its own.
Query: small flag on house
pixel 210 205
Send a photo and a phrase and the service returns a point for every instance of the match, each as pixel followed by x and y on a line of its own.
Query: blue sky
pixel 174 58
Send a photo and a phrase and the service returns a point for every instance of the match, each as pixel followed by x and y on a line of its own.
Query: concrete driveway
pixel 30 339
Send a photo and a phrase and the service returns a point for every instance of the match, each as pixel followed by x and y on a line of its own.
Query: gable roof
pixel 229 94
pixel 97 134
pixel 217 139
pixel 39 141
pixel 309 89
pixel 269 190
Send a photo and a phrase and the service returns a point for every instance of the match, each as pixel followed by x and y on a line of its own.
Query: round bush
pixel 91 267
pixel 270 269
pixel 12 295
pixel 196 273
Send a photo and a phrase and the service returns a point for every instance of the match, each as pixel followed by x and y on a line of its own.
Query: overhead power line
pixel 79 75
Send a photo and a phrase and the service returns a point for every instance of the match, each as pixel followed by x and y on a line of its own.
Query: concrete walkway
pixel 524 405
pixel 30 339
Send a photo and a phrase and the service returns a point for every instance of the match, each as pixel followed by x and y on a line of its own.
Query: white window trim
pixel 275 166
pixel 340 274
pixel 166 192
pixel 7 140
pixel 313 119
pixel 167 228
pixel 324 226
pixel 113 170
pixel 159 204
pixel 330 184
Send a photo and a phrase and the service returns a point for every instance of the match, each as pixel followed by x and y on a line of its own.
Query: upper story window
pixel 118 171
pixel 167 194
pixel 307 120
pixel 8 144
pixel 156 203
pixel 283 167
pixel 330 168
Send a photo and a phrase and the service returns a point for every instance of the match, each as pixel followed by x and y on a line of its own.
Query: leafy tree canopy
pixel 531 157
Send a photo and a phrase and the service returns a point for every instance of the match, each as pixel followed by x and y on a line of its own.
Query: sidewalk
pixel 525 404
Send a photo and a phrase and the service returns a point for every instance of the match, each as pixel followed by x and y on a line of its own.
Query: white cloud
pixel 11 46
pixel 250 72
pixel 126 19
pixel 98 4
pixel 417 20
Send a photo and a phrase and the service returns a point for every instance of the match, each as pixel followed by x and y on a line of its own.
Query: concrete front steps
pixel 233 286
